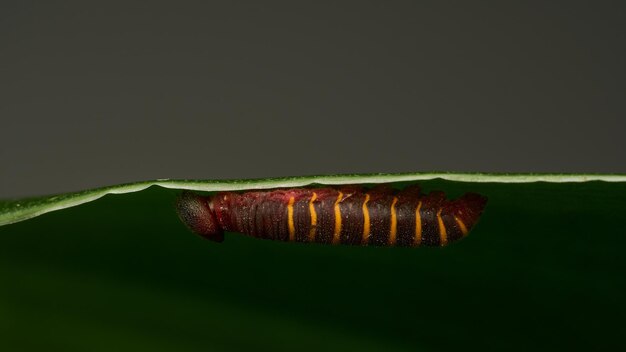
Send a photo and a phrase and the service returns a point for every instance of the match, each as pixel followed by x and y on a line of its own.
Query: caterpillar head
pixel 195 212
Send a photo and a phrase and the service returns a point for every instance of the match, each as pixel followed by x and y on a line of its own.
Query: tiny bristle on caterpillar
pixel 334 215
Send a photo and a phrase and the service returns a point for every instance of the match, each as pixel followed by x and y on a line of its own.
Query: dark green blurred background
pixel 543 270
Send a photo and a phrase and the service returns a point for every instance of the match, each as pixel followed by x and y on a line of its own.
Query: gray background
pixel 92 95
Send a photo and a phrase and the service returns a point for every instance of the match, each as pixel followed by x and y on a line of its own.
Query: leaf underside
pixel 542 270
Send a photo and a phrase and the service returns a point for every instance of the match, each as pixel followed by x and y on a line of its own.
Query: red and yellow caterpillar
pixel 345 215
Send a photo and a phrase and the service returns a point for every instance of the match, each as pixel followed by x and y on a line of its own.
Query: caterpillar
pixel 347 215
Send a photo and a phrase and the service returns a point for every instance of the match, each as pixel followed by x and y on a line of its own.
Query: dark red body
pixel 346 215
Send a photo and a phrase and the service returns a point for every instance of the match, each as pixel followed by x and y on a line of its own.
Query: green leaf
pixel 542 270
pixel 18 210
